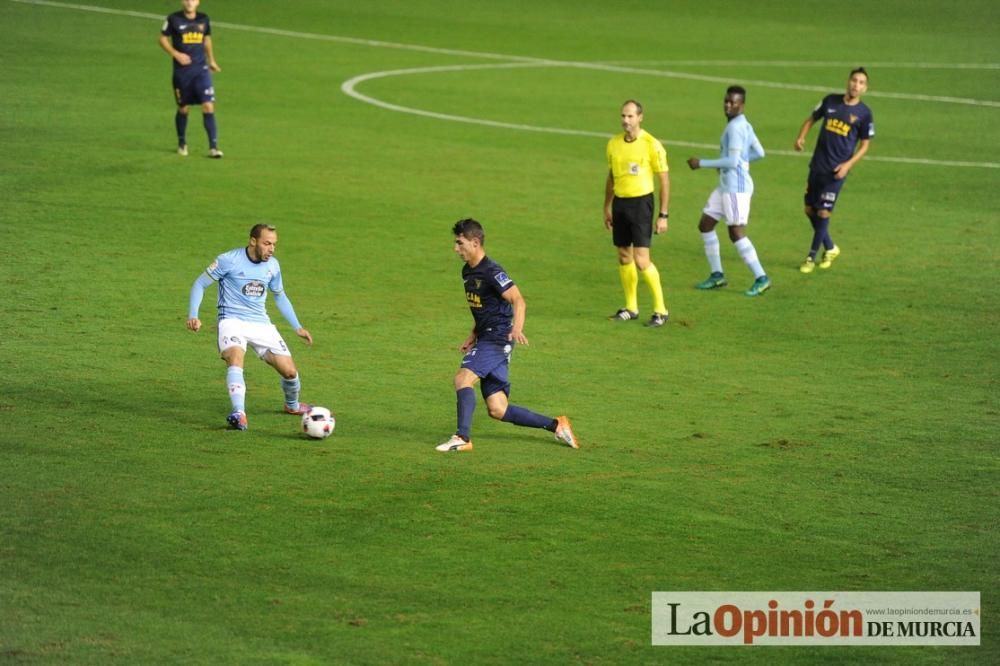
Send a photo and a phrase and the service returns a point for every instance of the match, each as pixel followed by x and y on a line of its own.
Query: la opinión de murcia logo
pixel 834 618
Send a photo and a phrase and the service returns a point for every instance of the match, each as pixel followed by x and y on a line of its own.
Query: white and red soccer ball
pixel 318 423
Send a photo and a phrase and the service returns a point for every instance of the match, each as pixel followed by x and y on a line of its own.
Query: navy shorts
pixel 490 361
pixel 822 190
pixel 632 221
pixel 196 89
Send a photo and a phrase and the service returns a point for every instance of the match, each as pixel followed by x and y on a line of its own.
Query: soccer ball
pixel 318 423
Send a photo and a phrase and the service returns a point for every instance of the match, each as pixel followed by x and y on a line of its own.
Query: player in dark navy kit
pixel 844 136
pixel 187 37
pixel 498 310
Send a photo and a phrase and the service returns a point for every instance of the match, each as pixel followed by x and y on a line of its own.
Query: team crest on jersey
pixel 854 118
pixel 253 289
pixel 633 168
pixel 502 279
pixel 201 27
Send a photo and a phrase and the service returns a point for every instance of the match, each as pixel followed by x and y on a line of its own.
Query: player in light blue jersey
pixel 245 275
pixel 731 199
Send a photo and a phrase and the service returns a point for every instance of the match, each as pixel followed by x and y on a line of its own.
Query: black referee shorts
pixel 632 221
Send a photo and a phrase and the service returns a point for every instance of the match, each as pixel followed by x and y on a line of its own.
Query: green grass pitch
pixel 838 433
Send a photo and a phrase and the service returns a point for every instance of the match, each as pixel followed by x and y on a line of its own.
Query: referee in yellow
pixel 633 157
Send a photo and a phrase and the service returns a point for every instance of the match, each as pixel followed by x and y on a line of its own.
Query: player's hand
pixel 468 343
pixel 183 58
pixel 840 171
pixel 800 143
pixel 518 337
pixel 694 163
pixel 305 335
pixel 661 225
pixel 607 219
pixel 193 324
pixel 214 66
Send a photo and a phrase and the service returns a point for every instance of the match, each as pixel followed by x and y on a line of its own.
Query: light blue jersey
pixel 739 147
pixel 243 285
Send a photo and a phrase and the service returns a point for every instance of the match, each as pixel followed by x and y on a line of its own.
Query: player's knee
pixel 208 107
pixel 496 411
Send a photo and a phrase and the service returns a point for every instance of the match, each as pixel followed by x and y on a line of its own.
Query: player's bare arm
pixel 182 58
pixel 661 222
pixel 210 55
pixel 514 297
pixel 800 140
pixel 468 343
pixel 609 194
pixel 841 171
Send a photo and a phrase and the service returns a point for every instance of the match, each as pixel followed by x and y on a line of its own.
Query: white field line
pixel 349 86
pixel 811 64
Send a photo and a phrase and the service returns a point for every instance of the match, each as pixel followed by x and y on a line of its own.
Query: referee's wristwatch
pixel 663 216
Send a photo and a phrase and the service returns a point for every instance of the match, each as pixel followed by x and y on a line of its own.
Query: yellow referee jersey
pixel 633 164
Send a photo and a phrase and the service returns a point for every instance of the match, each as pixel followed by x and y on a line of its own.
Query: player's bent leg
pixel 497 406
pixel 465 407
pixel 290 383
pixel 282 363
pixel 707 223
pixel 560 427
pixel 465 378
pixel 233 355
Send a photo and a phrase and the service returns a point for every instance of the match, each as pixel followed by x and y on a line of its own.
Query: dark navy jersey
pixel 484 286
pixel 188 36
pixel 841 129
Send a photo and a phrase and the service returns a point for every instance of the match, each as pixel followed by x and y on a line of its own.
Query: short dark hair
pixel 858 70
pixel 257 229
pixel 638 106
pixel 470 229
pixel 737 90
